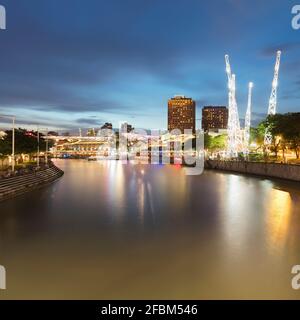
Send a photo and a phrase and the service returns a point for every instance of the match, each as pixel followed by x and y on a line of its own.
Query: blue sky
pixel 67 64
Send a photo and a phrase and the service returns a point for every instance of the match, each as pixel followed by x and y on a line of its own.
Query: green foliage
pixel 216 143
pixel 257 134
pixel 5 147
pixel 256 157
pixel 285 131
pixel 25 142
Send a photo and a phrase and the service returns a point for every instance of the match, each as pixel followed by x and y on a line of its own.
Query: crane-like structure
pixel 273 98
pixel 234 130
pixel 248 119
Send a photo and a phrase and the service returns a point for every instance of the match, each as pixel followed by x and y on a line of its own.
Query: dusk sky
pixel 67 64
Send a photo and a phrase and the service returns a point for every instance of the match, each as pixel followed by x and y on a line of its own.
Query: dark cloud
pixel 284 47
pixel 43 124
pixel 96 56
pixel 48 62
pixel 90 121
pixel 256 118
pixel 58 63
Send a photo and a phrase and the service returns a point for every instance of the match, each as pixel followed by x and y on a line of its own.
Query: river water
pixel 107 230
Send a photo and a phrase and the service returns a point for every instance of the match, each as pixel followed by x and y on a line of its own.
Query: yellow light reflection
pixel 116 185
pixel 141 199
pixel 278 218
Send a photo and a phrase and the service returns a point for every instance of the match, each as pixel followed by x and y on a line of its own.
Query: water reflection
pixel 278 218
pixel 108 230
pixel 116 186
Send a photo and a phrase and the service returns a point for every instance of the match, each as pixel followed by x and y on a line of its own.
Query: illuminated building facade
pixel 181 114
pixel 214 118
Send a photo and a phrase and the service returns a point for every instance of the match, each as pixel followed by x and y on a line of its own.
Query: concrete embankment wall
pixel 273 170
pixel 14 186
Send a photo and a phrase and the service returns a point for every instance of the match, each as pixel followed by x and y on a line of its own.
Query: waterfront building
pixel 91 132
pixel 76 147
pixel 214 119
pixel 181 114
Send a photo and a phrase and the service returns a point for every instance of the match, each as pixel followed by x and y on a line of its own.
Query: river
pixel 113 231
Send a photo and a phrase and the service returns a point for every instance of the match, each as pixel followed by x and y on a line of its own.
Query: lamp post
pixel 38 147
pixel 47 143
pixel 39 129
pixel 13 118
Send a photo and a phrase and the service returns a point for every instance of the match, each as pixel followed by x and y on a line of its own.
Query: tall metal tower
pixel 273 98
pixel 248 119
pixel 234 132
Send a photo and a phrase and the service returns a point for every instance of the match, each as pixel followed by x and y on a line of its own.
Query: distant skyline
pixel 70 64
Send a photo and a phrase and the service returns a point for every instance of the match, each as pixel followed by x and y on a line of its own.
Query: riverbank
pixel 270 170
pixel 14 186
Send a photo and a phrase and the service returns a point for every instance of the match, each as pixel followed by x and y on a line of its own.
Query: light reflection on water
pixel 279 218
pixel 107 230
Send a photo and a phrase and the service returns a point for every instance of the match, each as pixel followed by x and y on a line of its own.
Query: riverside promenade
pixel 14 186
pixel 266 169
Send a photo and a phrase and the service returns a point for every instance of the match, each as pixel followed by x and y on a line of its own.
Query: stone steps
pixel 18 185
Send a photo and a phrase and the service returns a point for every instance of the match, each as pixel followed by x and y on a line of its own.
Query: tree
pixel 285 130
pixel 276 126
pixel 214 144
pixel 291 131
pixel 219 142
pixel 25 142
pixel 5 147
pixel 257 135
pixel 207 141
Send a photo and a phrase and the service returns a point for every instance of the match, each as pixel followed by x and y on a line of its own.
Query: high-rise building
pixel 214 118
pixel 181 114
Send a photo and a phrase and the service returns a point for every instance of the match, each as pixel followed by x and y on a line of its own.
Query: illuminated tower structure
pixel 273 98
pixel 248 120
pixel 235 139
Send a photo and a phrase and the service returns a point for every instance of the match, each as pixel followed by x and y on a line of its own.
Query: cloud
pixel 284 47
pixel 90 121
pixel 256 118
pixel 65 64
pixel 123 57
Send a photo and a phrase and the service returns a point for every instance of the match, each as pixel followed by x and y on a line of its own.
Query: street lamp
pixel 13 118
pixel 38 146
pixel 46 154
